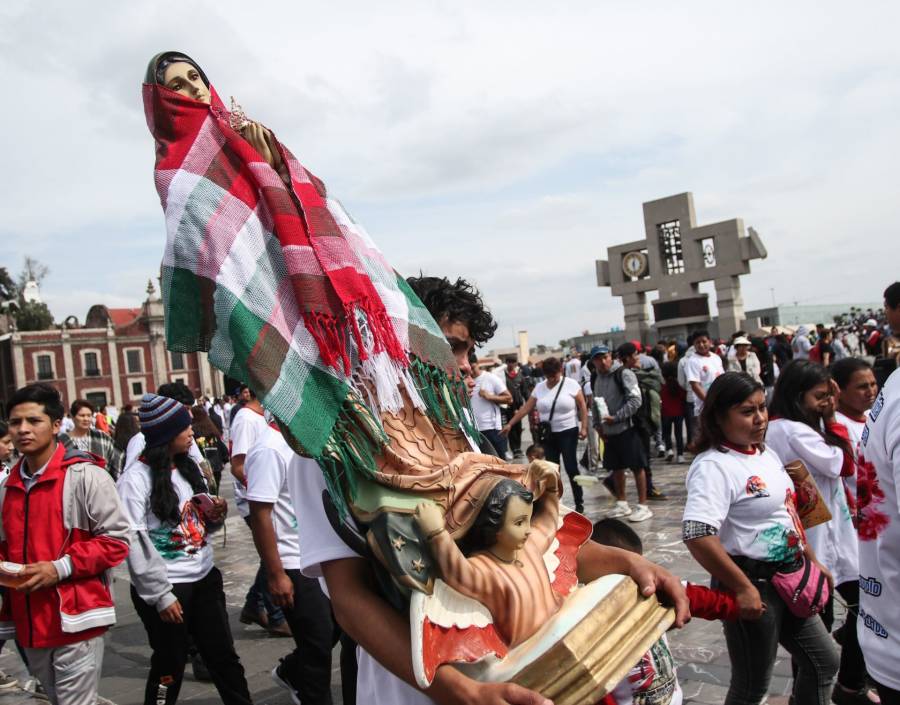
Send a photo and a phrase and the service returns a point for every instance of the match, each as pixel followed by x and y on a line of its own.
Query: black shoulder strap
pixel 562 381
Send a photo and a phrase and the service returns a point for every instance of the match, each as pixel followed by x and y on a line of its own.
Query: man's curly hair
pixel 456 302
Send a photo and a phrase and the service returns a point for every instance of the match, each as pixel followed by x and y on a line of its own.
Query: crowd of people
pixel 144 489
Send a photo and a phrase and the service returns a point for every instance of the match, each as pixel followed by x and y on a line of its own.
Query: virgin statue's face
pixel 516 525
pixel 183 78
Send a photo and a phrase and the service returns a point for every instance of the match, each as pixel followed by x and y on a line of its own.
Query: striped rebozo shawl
pixel 288 294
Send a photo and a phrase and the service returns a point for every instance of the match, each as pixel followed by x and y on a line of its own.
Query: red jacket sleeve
pixel 707 603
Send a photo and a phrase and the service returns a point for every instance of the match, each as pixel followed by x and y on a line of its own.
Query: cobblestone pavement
pixel 699 648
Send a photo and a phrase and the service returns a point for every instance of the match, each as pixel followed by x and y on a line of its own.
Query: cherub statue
pixel 501 561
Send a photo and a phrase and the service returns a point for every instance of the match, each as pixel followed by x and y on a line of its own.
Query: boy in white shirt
pixel 702 368
pixel 306 672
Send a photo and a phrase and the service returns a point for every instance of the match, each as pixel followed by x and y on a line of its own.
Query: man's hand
pixel 219 510
pixel 750 603
pixel 652 578
pixel 282 590
pixel 40 575
pixel 172 614
pixel 582 434
pixel 608 420
pixel 450 687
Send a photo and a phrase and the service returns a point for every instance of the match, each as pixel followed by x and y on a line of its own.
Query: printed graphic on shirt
pixel 870 519
pixel 873 624
pixel 784 545
pixel 653 679
pixel 185 539
pixel 756 487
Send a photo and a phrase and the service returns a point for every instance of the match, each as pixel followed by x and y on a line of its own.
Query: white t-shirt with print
pixel 573 368
pixel 319 544
pixel 854 430
pixel 702 369
pixel 487 413
pixel 182 546
pixel 834 542
pixel 247 429
pixel 266 469
pixel 565 414
pixel 878 480
pixel 749 499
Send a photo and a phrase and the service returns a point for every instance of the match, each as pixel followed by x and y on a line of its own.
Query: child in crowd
pixel 673 410
pixel 534 452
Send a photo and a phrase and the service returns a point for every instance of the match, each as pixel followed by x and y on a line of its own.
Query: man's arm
pixel 384 633
pixel 698 391
pixel 280 585
pixel 595 561
pixel 632 397
pixel 237 468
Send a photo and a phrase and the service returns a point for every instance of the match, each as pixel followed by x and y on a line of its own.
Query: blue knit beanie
pixel 162 419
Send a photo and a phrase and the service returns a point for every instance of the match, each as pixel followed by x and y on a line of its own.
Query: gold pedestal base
pixel 591 659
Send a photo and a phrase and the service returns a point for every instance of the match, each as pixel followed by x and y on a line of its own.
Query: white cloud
pixel 511 143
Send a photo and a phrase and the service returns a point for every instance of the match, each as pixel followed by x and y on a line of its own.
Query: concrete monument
pixel 676 255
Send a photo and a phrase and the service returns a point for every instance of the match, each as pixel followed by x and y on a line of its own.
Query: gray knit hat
pixel 162 419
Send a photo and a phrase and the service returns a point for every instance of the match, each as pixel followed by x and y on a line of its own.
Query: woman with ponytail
pixel 175 588
pixel 803 427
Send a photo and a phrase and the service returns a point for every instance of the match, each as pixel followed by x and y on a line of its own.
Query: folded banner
pixel 270 275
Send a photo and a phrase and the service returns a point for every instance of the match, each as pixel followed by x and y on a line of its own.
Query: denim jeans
pixel 497 440
pixel 753 647
pixel 676 424
pixel 565 444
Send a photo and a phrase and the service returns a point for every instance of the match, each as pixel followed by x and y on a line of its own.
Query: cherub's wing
pixel 561 558
pixel 448 627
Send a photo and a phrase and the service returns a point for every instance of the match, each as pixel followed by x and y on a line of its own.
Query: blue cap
pixel 599 350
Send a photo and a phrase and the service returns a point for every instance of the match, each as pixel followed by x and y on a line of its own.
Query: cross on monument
pixel 676 255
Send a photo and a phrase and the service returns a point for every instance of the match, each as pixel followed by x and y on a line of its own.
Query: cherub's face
pixel 516 524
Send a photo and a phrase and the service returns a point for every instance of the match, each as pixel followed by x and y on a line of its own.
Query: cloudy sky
pixel 508 142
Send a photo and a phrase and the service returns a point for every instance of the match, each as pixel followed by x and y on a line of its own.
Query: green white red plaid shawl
pixel 288 293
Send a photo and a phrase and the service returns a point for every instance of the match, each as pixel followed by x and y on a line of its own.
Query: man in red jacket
pixel 62 529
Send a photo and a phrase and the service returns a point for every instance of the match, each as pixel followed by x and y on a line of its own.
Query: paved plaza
pixel 699 648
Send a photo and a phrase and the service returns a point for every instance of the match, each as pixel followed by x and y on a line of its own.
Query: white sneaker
pixel 670 454
pixel 641 513
pixel 680 459
pixel 620 510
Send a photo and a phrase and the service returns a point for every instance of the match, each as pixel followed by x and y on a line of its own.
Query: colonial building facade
pixel 113 359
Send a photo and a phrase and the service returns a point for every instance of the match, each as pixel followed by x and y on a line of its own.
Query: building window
pixel 98 400
pixel 670 251
pixel 91 364
pixel 134 360
pixel 137 389
pixel 44 367
pixel 177 360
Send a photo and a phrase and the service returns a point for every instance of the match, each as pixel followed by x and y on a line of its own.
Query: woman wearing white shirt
pixel 175 588
pixel 740 523
pixel 567 406
pixel 804 428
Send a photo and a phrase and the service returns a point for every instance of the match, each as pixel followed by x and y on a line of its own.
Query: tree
pixel 32 271
pixel 8 289
pixel 33 316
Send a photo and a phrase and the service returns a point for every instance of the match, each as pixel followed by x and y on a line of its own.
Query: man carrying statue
pixel 411 528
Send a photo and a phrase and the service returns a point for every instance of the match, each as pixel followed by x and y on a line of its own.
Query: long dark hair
pixel 483 533
pixel 163 498
pixel 795 380
pixel 127 426
pixel 727 391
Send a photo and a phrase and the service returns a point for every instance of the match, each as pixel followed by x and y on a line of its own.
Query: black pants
pixel 888 696
pixel 349 669
pixel 515 431
pixel 497 440
pixel 206 620
pixel 565 444
pixel 308 667
pixel 690 421
pixel 852 673
pixel 676 424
